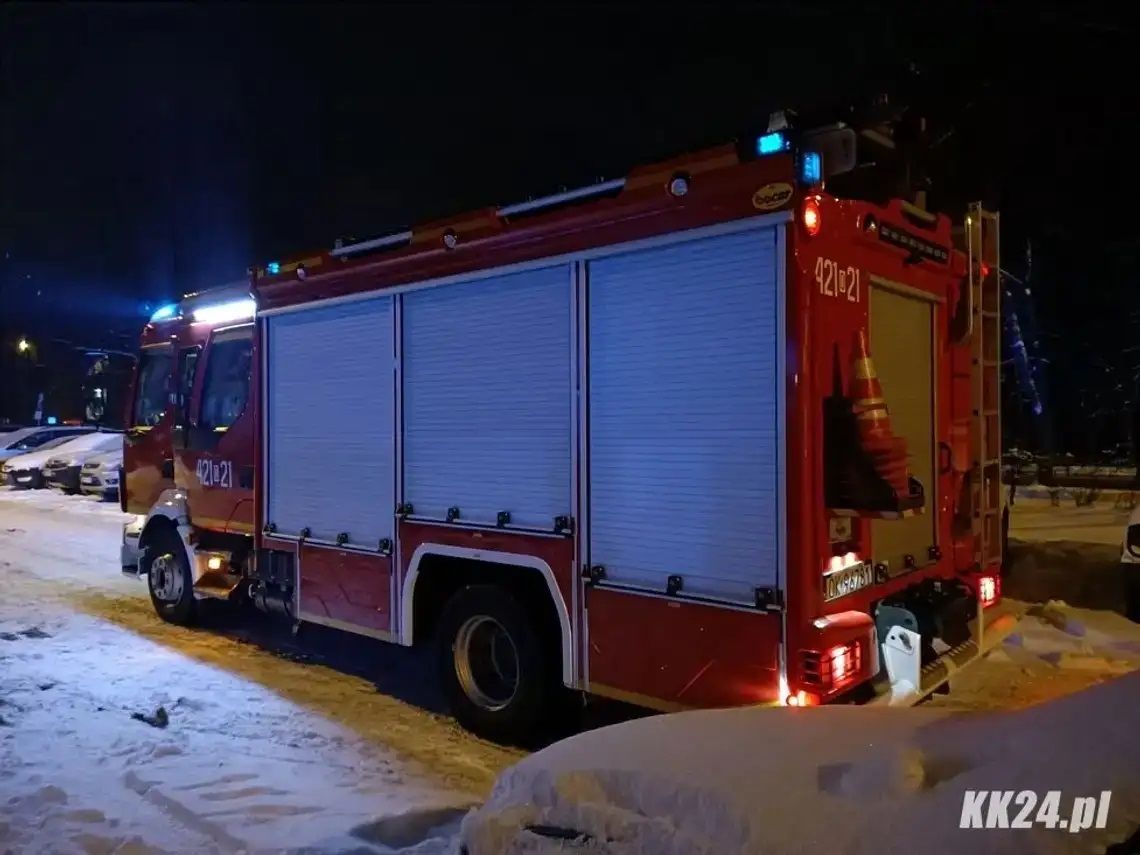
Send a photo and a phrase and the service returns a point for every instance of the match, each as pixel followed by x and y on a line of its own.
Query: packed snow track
pixel 259 746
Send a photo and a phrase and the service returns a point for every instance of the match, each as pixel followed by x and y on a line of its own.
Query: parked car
pixel 100 474
pixel 25 471
pixel 22 440
pixel 62 468
pixel 1130 566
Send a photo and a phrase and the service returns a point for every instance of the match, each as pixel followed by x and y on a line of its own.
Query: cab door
pixel 215 467
pixel 147 451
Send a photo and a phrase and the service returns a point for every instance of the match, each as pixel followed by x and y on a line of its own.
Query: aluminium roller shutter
pixel 331 426
pixel 684 440
pixel 486 368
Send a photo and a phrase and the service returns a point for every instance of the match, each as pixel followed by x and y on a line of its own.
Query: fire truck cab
pixel 190 405
pixel 703 436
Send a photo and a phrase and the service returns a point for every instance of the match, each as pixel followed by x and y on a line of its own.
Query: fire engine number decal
pixel 837 281
pixel 215 473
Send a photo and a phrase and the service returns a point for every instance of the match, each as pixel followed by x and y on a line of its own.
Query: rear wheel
pixel 168 577
pixel 497 673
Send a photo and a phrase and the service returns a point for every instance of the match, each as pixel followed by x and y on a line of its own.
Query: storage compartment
pixel 684 417
pixel 487 391
pixel 330 459
pixel 902 347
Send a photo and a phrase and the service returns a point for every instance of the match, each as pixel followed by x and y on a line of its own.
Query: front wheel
pixel 496 672
pixel 168 577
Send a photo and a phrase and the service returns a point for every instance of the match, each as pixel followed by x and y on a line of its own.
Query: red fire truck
pixel 706 435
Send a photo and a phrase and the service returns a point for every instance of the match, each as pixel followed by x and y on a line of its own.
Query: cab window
pixel 187 364
pixel 152 388
pixel 225 387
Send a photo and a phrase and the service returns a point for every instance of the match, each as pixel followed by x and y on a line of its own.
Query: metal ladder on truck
pixel 983 247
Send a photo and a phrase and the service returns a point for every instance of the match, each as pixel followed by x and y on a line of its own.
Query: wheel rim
pixel 166 578
pixel 486 663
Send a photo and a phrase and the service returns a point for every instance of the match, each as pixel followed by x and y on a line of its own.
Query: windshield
pixel 93 442
pixel 15 439
pixel 151 391
pixel 51 443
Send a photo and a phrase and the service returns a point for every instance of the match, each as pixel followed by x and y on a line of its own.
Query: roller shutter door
pixel 487 398
pixel 684 437
pixel 330 412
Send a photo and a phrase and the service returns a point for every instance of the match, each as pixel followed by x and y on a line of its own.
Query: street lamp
pixel 23 345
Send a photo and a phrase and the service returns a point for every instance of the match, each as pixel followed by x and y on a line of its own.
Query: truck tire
pixel 168 577
pixel 496 673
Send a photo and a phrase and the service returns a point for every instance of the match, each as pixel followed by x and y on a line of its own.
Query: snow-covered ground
pixel 334 743
pixel 266 748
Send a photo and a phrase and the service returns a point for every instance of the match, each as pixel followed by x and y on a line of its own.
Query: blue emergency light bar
pixel 811 168
pixel 164 313
pixel 772 143
pixel 273 268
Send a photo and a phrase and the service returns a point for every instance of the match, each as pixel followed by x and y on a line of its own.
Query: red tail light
pixel 810 216
pixel 989 590
pixel 833 668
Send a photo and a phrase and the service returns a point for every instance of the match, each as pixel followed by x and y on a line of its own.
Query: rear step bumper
pixel 908 681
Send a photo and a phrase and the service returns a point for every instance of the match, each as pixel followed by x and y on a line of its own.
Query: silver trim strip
pixel 263 417
pixel 324 544
pixel 397 582
pixel 558 198
pixel 506 211
pixel 468 525
pixel 782 239
pixel 374 243
pixel 582 443
pixel 575 457
pixel 682 599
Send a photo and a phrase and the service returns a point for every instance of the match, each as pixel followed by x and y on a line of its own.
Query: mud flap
pixel 908 681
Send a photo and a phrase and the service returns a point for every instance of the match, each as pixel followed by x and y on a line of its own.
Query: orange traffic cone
pixel 874 422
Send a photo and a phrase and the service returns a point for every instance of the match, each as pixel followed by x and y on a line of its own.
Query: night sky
pixel 149 150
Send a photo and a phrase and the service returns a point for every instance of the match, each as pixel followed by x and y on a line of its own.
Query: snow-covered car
pixel 1130 566
pixel 62 468
pixel 854 779
pixel 24 440
pixel 99 476
pixel 27 470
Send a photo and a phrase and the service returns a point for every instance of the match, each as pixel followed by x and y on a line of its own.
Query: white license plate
pixel 840 583
pixel 88 479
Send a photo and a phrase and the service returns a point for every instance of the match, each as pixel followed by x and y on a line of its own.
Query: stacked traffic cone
pixel 874 422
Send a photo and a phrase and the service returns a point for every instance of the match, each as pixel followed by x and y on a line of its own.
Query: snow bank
pixel 1078 572
pixel 837 779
